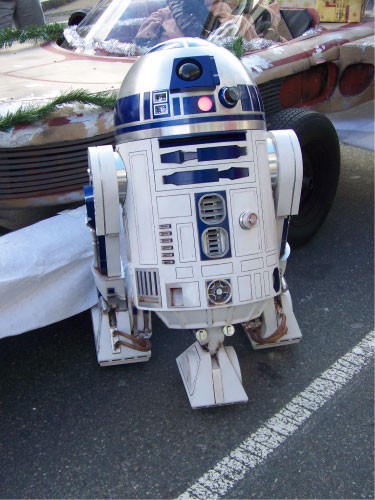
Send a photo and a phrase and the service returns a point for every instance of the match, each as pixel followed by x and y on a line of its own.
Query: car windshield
pixel 132 27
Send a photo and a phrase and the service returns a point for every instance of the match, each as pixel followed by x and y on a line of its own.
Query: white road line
pixel 254 450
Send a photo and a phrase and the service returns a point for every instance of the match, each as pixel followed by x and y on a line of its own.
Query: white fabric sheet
pixel 45 273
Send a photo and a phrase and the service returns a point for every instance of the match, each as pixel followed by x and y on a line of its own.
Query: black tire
pixel 321 168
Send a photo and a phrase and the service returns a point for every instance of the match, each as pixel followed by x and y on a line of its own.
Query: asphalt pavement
pixel 70 429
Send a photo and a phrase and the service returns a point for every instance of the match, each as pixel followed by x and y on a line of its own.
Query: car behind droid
pixel 205 194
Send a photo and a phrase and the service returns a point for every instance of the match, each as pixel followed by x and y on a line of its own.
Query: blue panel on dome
pixel 191 105
pixel 166 46
pixel 160 104
pixel 197 43
pixel 146 106
pixel 245 98
pixel 176 106
pixel 254 98
pixel 260 99
pixel 127 109
pixel 208 79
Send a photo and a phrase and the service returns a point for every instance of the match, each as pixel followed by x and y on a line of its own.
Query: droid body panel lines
pixel 205 194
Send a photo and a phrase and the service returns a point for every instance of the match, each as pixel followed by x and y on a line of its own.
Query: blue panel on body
pixel 202 226
pixel 221 153
pixel 210 138
pixel 284 236
pixel 88 191
pixel 102 255
pixel 204 154
pixel 192 177
pixel 203 176
pixel 276 279
pixel 127 109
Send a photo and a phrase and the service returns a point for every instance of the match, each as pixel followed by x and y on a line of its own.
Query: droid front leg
pixel 277 325
pixel 121 333
pixel 211 372
pixel 115 341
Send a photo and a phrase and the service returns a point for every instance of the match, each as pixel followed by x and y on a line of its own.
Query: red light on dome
pixel 205 103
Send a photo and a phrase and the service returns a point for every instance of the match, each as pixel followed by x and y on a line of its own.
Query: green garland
pixel 36 34
pixel 236 47
pixel 31 114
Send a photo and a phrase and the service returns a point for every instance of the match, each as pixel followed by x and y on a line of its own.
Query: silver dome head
pixel 186 86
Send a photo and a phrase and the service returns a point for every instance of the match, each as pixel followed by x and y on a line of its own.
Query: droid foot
pixel 211 380
pixel 113 345
pixel 276 326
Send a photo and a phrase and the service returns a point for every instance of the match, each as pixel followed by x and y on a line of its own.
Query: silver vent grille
pixel 148 287
pixel 215 242
pixel 219 292
pixel 212 209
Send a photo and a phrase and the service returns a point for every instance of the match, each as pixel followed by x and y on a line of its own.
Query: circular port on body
pixel 219 292
pixel 248 220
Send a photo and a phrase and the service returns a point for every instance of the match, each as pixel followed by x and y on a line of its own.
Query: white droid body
pixel 206 195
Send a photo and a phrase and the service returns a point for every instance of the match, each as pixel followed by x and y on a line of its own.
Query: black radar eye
pixel 231 95
pixel 189 70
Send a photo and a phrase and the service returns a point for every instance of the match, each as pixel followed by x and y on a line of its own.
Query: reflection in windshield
pixel 132 27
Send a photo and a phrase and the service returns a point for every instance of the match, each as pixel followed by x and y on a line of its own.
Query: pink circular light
pixel 205 103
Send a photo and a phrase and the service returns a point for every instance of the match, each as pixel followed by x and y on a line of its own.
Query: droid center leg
pixel 211 372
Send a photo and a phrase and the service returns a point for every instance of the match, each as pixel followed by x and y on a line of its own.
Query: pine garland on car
pixel 31 114
pixel 236 45
pixel 36 34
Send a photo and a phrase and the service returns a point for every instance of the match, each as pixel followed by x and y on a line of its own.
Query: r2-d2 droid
pixel 205 195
